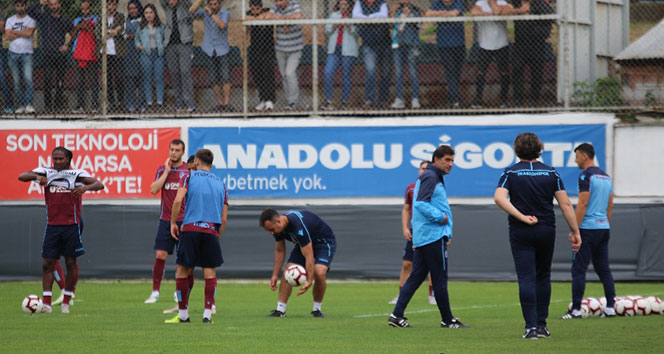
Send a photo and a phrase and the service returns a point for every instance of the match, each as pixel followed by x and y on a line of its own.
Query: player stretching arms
pixel 63 191
pixel 204 222
pixel 315 245
pixel 167 181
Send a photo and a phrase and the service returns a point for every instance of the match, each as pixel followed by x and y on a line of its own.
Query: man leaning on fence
pixel 53 28
pixel 178 38
pixel 288 47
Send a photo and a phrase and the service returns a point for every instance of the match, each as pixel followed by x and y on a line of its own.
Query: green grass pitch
pixel 111 317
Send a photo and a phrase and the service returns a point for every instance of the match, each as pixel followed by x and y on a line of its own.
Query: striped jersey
pixel 289 37
pixel 62 208
pixel 531 187
pixel 598 183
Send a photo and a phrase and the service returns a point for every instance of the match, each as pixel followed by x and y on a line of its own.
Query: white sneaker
pixel 415 103
pixel 46 309
pixel 214 309
pixel 269 106
pixel 154 297
pixel 394 301
pixel 65 308
pixel 261 106
pixel 29 109
pixel 432 300
pixel 398 104
pixel 20 110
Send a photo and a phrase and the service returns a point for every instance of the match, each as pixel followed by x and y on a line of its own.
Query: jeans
pixel 6 93
pixel 331 65
pixel 133 92
pixel 377 58
pixel 452 59
pixel 532 250
pixel 288 63
pixel 88 75
pixel 114 79
pixel 153 65
pixel 408 54
pixel 25 98
pixel 178 58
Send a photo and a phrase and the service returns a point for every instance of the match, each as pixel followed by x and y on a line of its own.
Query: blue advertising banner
pixel 375 161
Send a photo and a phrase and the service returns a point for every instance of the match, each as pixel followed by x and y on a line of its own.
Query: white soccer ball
pixel 594 306
pixel 625 307
pixel 642 307
pixel 585 311
pixel 655 304
pixel 602 302
pixel 32 304
pixel 295 275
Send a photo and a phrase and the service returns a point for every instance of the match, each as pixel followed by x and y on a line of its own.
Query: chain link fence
pixel 184 58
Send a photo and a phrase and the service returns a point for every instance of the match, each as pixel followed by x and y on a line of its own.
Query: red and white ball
pixel 295 275
pixel 656 306
pixel 32 304
pixel 594 306
pixel 642 307
pixel 625 307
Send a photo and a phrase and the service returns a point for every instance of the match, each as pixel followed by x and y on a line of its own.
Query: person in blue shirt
pixel 204 222
pixel 531 187
pixel 315 245
pixel 432 233
pixel 451 41
pixel 593 213
pixel 215 46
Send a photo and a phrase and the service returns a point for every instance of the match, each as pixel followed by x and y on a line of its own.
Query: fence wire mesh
pixel 160 58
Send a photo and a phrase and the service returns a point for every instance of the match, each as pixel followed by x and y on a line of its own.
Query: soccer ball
pixel 295 275
pixel 585 311
pixel 625 307
pixel 642 307
pixel 32 304
pixel 594 306
pixel 655 304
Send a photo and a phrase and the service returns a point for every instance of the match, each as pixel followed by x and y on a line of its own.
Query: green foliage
pixel 605 92
pixel 111 317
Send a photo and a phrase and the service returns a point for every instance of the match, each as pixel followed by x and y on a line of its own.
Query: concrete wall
pixel 638 151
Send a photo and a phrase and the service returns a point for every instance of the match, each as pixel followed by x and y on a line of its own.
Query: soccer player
pixel 531 186
pixel 63 191
pixel 593 213
pixel 204 222
pixel 315 245
pixel 167 181
pixel 432 233
pixel 406 215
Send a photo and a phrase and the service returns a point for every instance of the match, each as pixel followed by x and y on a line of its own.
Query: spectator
pixel 132 69
pixel 85 54
pixel 288 47
pixel 261 56
pixel 342 50
pixel 6 93
pixel 115 52
pixel 405 48
pixel 53 29
pixel 375 50
pixel 178 37
pixel 450 38
pixel 215 45
pixel 493 47
pixel 19 30
pixel 530 48
pixel 149 39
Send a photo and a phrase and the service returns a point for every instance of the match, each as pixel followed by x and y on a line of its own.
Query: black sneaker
pixel 531 333
pixel 276 313
pixel 207 320
pixel 317 314
pixel 455 323
pixel 395 321
pixel 543 332
pixel 569 315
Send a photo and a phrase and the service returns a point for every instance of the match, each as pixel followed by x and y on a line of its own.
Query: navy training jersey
pixel 599 184
pixel 531 187
pixel 305 227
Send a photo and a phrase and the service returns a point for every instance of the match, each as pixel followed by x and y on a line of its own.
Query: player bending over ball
pixel 63 191
pixel 314 249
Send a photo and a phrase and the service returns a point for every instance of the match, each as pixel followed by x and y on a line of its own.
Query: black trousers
pixel 54 75
pixel 261 64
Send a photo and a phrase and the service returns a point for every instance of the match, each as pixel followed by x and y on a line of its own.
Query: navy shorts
pixel 323 254
pixel 63 240
pixel 408 251
pixel 199 249
pixel 164 241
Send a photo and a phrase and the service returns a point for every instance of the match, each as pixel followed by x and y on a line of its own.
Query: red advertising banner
pixel 125 160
